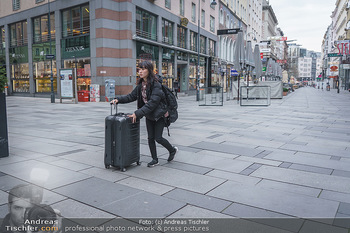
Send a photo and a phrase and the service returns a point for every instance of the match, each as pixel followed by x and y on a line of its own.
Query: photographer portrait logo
pixel 27 214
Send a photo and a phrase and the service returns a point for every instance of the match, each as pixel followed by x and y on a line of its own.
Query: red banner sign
pixel 343 47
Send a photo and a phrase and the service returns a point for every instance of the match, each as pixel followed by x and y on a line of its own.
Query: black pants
pixel 155 134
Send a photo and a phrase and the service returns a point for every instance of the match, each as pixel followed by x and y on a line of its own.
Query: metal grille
pixel 255 96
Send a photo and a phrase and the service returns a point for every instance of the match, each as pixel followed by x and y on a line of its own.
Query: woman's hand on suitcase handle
pixel 115 101
pixel 133 116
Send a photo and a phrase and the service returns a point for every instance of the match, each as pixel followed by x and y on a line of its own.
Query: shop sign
pixel 334 55
pixel 184 22
pixel 147 52
pixel 75 47
pixel 265 50
pixel 264 69
pixel 343 47
pixel 228 31
pixel 234 72
pixel 19 54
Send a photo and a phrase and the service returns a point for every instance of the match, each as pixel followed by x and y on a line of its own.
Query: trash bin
pixel 109 89
pixel 83 96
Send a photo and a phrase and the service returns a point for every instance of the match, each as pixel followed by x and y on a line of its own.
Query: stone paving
pixel 290 160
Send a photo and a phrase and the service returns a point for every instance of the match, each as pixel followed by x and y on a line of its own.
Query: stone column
pixel 30 56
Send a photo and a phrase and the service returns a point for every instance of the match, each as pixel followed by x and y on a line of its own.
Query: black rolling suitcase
pixel 122 141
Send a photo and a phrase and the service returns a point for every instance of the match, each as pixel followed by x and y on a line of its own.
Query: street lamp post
pixel 213 3
pixel 248 66
pixel 51 78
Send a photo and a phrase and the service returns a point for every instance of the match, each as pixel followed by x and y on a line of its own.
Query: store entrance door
pixel 182 76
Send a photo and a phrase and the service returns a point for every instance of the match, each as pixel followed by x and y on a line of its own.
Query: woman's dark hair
pixel 151 76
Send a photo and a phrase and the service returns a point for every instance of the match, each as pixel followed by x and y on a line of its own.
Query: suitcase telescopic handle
pixel 116 108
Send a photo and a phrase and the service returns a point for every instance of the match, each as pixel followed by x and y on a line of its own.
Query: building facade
pixel 105 39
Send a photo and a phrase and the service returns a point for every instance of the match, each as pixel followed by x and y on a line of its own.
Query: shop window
pixel 16 4
pixel 203 44
pixel 147 52
pixel 182 7
pixel 193 14
pixel 168 4
pixel 181 36
pixel 203 19
pixel 212 49
pixel 167 28
pixel 168 67
pixel 2 47
pixel 2 37
pixel 83 66
pixel 212 24
pixel 193 41
pixel 20 77
pixel 146 24
pixel 18 34
pixel 76 21
pixel 42 75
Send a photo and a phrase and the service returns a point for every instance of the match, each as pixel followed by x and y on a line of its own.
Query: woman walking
pixel 149 96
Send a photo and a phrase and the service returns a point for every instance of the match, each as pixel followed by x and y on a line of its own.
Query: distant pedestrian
pixel 176 87
pixel 149 96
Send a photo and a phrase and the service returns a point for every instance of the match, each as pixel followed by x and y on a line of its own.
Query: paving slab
pixel 315 162
pixel 146 185
pixel 144 204
pixel 309 179
pixel 110 192
pixel 74 209
pixel 278 201
pixel 313 169
pixel 208 160
pixel 259 160
pixel 105 174
pixel 265 217
pixel 71 165
pixel 190 211
pixel 42 174
pixel 341 173
pixel 177 178
pixel 8 182
pixel 3 198
pixel 221 223
pixel 188 167
pixel 292 188
pixel 226 148
pixel 234 177
pixel 311 226
pixel 198 200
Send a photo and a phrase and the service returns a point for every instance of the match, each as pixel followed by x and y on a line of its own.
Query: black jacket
pixel 155 107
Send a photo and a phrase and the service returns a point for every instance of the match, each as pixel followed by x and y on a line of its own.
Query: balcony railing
pixel 146 34
pixel 76 31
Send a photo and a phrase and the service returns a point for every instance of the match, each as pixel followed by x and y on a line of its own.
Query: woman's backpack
pixel 171 105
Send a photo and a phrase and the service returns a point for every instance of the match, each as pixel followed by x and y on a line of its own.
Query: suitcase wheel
pixel 138 163
pixel 123 169
pixel 107 166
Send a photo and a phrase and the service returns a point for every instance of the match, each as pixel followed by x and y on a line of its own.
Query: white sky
pixel 304 20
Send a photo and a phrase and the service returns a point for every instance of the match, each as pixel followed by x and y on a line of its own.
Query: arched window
pixel 221 16
pixel 224 50
pixel 227 21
